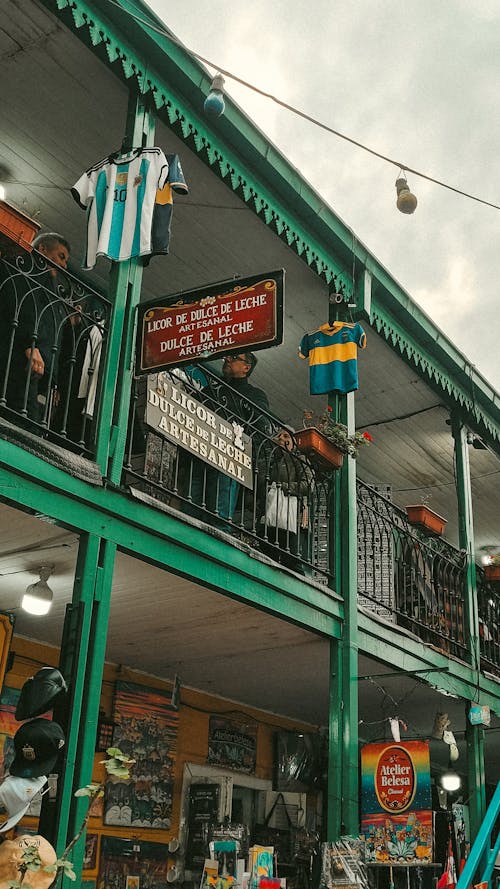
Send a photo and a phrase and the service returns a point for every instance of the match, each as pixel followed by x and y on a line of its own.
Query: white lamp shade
pixel 37 598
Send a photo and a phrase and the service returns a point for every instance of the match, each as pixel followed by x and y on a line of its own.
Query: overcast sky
pixel 416 81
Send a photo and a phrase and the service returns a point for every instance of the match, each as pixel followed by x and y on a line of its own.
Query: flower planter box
pixel 318 448
pixel 425 518
pixel 492 573
pixel 17 225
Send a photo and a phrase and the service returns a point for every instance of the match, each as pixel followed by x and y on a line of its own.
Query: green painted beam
pixel 394 647
pixel 167 541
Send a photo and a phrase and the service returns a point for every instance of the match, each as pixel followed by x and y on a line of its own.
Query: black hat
pixel 37 745
pixel 39 693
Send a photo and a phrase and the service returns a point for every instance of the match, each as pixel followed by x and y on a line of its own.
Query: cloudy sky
pixel 418 82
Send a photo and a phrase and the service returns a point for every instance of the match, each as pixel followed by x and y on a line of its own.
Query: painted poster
pixel 146 730
pixel 396 807
pixel 132 864
pixel 230 747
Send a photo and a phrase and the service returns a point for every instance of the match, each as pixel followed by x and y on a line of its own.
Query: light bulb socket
pixel 406 202
pixel 214 104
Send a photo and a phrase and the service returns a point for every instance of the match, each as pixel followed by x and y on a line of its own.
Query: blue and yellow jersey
pixel 332 350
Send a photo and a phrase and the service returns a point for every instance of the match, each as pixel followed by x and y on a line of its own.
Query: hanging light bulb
pixel 214 103
pixel 406 202
pixel 38 596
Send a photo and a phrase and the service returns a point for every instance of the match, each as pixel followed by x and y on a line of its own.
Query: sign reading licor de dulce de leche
pixel 220 319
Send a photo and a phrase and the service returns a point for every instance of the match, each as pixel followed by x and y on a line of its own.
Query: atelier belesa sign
pixel 175 414
pixel 214 321
pixel 396 808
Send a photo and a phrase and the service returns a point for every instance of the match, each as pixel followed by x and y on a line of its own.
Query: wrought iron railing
pixel 409 578
pixel 488 606
pixel 241 480
pixel 53 331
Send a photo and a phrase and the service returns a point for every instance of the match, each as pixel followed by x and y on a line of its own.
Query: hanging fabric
pixel 119 195
pixel 332 350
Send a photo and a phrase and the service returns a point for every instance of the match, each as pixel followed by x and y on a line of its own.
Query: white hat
pixel 16 795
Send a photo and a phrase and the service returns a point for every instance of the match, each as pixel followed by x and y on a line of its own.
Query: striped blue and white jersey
pixel 119 195
pixel 332 352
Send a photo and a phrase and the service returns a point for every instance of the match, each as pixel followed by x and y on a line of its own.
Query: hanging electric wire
pixel 399 164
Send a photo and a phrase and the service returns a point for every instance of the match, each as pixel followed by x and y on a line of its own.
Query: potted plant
pixel 492 570
pixel 326 442
pixel 17 226
pixel 422 516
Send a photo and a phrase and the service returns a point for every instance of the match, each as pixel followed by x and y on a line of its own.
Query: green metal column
pixel 474 734
pixel 84 723
pixel 82 663
pixel 334 816
pixel 343 814
pixel 92 591
pixel 124 293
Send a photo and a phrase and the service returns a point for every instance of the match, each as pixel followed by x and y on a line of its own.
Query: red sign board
pixel 218 320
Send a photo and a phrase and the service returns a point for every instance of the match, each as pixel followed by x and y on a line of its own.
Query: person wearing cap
pixel 219 491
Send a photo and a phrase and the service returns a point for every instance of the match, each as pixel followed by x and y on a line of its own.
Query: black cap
pixel 39 693
pixel 37 745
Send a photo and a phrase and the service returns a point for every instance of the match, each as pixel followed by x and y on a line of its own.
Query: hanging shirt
pixel 164 207
pixel 333 351
pixel 120 196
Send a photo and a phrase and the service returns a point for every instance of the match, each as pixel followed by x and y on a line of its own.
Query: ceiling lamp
pixel 406 202
pixel 38 596
pixel 214 104
pixel 450 781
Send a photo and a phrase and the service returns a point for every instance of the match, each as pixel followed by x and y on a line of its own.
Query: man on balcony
pixel 31 315
pixel 209 487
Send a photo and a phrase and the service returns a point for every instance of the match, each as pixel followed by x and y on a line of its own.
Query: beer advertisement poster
pixel 396 806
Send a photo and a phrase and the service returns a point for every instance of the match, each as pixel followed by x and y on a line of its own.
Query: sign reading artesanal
pixel 217 320
pixel 175 414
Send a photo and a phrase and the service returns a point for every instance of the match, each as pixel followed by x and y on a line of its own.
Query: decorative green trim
pixel 462 386
pixel 100 33
pixel 391 646
pixel 148 533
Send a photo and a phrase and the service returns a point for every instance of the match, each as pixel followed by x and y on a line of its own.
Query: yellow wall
pixel 192 742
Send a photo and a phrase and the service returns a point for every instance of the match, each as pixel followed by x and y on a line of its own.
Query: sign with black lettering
pixel 217 320
pixel 175 414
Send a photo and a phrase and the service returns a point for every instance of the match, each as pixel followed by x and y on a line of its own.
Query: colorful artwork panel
pixel 146 730
pixel 396 819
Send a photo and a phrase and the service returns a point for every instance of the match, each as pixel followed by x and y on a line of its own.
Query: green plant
pixel 118 765
pixel 337 433
pixel 495 560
